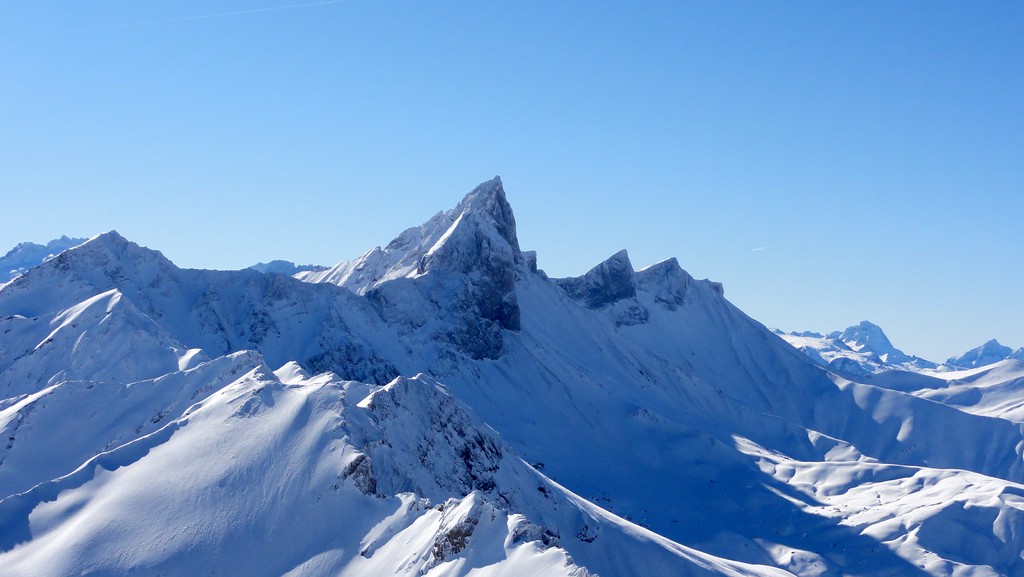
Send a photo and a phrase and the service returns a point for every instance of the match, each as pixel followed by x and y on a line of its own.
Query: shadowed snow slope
pixel 666 432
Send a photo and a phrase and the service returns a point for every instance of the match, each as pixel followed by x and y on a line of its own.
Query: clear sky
pixel 828 161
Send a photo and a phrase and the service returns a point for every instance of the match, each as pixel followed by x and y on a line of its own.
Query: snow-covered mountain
pixel 29 254
pixel 439 406
pixel 451 280
pixel 861 349
pixel 987 380
pixel 989 353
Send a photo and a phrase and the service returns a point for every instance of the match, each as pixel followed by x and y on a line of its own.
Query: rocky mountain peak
pixel 464 260
pixel 667 281
pixel 488 201
pixel 478 235
pixel 606 283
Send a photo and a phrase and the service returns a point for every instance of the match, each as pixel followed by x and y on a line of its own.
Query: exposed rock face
pixel 488 200
pixel 461 266
pixel 360 470
pixel 478 255
pixel 667 281
pixel 462 457
pixel 609 282
pixel 456 528
pixel 486 261
pixel 351 360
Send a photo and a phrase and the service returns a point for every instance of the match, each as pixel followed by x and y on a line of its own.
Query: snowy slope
pixel 331 474
pixel 653 377
pixel 667 433
pixel 677 397
pixel 995 390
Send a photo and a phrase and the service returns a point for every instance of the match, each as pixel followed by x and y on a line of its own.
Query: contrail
pixel 186 18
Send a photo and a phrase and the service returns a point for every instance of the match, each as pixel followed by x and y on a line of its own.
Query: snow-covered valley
pixel 440 406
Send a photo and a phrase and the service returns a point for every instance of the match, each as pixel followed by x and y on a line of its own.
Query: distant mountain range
pixel 285 267
pixel 440 406
pixel 864 349
pixel 989 353
pixel 29 254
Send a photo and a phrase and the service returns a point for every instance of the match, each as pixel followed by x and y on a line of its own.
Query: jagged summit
pixel 488 200
pixel 111 236
pixel 868 338
pixel 606 283
pixel 615 280
pixel 464 260
pixel 479 232
pixel 669 282
pixel 114 258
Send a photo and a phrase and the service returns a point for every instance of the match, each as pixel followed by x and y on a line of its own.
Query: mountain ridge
pixel 865 350
pixel 674 432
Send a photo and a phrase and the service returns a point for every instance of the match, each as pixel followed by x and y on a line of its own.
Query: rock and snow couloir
pixel 669 433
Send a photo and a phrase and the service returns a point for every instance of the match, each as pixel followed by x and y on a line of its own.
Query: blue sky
pixel 829 162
